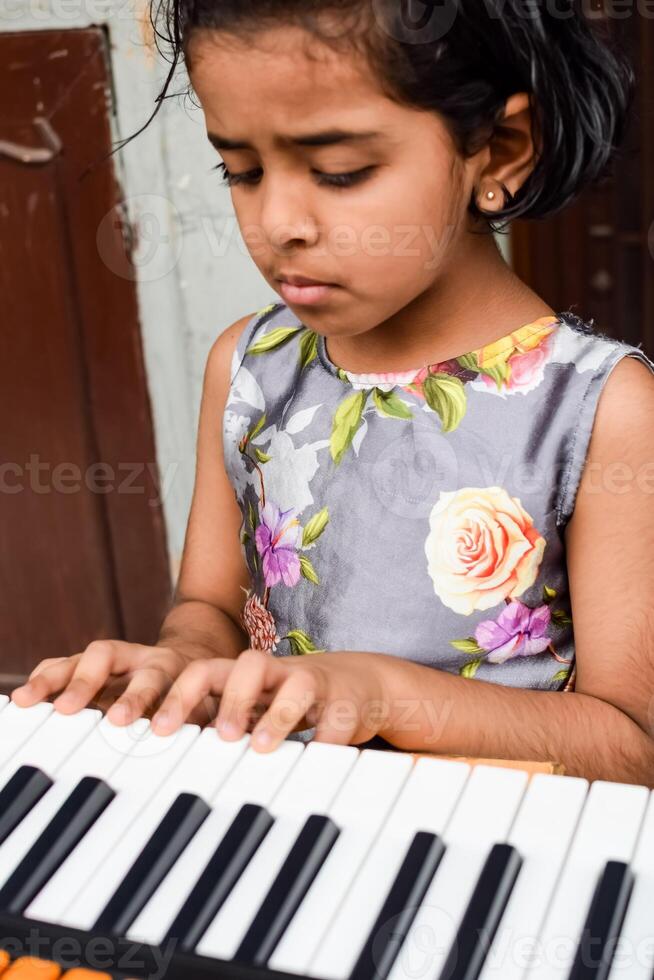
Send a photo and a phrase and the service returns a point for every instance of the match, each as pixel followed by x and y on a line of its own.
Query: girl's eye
pixel 331 180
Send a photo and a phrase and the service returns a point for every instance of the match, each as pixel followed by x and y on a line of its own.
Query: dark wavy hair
pixel 462 59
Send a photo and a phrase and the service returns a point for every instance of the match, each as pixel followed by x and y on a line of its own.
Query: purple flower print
pixel 518 631
pixel 277 538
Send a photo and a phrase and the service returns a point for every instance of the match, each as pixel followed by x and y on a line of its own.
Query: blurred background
pixel 116 280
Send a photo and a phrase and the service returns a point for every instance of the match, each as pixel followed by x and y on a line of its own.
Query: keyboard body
pixel 140 856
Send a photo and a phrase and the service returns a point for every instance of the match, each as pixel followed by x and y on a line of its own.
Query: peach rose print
pixel 482 548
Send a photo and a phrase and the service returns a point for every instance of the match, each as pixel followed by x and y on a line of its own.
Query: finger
pixel 293 700
pixel 96 664
pixel 49 662
pixel 200 679
pixel 204 713
pixel 144 691
pixel 47 681
pixel 253 672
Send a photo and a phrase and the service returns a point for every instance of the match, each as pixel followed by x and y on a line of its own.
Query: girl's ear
pixel 510 152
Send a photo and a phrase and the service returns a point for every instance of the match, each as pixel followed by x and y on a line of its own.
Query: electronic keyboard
pixel 131 855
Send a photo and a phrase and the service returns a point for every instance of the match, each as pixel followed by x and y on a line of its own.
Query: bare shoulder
pixel 629 389
pixel 219 361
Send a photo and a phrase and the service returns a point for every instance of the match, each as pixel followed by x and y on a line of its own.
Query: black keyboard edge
pixel 120 957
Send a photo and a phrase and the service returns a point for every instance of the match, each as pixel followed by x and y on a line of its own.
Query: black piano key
pixel 71 821
pixel 177 827
pixel 400 907
pixel 19 795
pixel 247 830
pixel 302 864
pixel 603 923
pixel 481 918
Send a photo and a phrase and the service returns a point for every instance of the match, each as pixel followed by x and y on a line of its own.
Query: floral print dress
pixel 418 514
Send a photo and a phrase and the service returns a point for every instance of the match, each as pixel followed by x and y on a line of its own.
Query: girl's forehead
pixel 256 93
pixel 279 68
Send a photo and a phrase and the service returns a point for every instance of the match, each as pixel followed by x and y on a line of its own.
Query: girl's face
pixel 384 238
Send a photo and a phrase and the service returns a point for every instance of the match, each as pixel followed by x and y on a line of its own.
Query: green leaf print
pixel 308 570
pixel 469 362
pixel 301 642
pixel 258 427
pixel 261 456
pixel 561 618
pixel 499 373
pixel 274 338
pixel 314 527
pixel 548 594
pixel 252 516
pixel 389 404
pixel 446 395
pixel 347 419
pixel 469 670
pixel 308 347
pixel 561 675
pixel 343 376
pixel 469 646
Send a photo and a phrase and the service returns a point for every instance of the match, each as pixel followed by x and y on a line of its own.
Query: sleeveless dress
pixel 419 514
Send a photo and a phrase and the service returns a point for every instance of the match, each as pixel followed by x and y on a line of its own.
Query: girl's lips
pixel 305 294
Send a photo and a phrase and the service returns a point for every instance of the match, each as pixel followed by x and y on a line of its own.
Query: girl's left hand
pixel 341 693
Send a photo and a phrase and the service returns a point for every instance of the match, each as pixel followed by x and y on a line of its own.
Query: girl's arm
pixel 605 728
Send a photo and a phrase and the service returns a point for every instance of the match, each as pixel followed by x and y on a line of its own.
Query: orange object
pixel 4 960
pixel 79 973
pixel 32 968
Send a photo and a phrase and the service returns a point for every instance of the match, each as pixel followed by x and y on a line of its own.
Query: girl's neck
pixel 475 301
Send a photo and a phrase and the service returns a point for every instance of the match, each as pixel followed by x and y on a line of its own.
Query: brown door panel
pixel 82 543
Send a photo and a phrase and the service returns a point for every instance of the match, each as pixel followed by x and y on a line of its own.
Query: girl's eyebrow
pixel 327 138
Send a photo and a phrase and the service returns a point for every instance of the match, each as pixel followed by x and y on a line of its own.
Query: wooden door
pixel 597 256
pixel 82 545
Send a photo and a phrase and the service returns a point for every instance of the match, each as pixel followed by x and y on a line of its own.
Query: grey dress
pixel 418 514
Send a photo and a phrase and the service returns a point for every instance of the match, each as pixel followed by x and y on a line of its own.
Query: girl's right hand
pixel 130 677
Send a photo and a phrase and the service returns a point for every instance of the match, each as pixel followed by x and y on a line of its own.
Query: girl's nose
pixel 285 219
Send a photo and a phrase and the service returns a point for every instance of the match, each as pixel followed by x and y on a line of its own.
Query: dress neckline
pixel 520 340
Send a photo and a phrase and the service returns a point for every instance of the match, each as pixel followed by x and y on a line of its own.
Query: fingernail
pixel 118 712
pixel 161 719
pixel 262 738
pixel 227 729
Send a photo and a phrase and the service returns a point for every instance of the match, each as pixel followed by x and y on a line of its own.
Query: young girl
pixel 399 511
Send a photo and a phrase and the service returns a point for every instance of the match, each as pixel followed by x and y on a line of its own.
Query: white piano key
pixel 360 809
pixel 254 779
pixel 310 788
pixel 481 818
pixel 608 829
pixel 18 724
pixel 99 754
pixel 138 807
pixel 194 764
pixel 52 742
pixel 542 832
pixel 634 953
pixel 157 916
pixel 425 803
pixel 4 701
